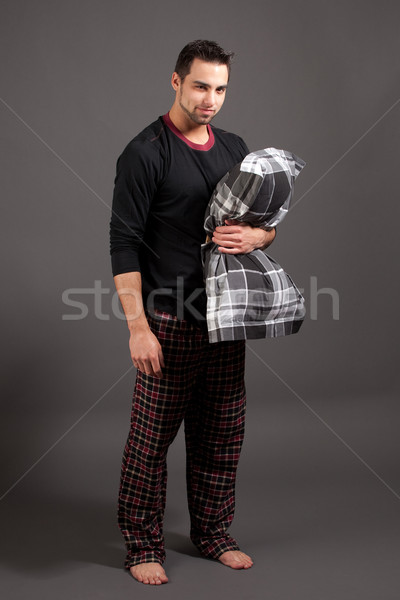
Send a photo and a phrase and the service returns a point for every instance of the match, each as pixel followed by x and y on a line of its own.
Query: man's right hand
pixel 146 352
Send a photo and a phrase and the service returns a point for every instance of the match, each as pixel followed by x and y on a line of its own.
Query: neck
pixel 194 132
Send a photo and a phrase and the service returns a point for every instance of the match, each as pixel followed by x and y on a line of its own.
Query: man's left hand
pixel 240 238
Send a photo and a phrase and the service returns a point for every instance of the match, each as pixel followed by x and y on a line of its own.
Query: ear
pixel 175 81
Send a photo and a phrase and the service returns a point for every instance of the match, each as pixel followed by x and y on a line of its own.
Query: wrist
pixel 262 239
pixel 137 324
pixel 267 237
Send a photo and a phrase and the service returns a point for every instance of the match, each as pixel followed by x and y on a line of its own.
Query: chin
pixel 202 120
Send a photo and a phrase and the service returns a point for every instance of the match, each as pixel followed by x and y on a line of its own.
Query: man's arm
pixel 145 349
pixel 139 169
pixel 240 238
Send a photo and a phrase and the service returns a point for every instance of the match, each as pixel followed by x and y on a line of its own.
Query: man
pixel 165 177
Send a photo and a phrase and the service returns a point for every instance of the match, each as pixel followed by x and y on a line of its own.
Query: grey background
pixel 318 485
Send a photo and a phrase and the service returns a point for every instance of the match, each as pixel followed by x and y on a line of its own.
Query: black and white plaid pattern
pixel 250 295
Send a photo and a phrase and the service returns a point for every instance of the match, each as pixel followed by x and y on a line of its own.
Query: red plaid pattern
pixel 203 384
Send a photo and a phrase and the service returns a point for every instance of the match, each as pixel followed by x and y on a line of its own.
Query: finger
pixel 228 229
pixel 220 237
pixel 161 358
pixel 155 367
pixel 146 367
pixel 140 366
pixel 227 243
pixel 225 250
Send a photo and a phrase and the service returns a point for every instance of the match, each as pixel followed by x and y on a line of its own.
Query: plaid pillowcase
pixel 250 295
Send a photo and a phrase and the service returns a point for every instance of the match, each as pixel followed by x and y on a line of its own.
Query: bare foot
pixel 151 573
pixel 236 559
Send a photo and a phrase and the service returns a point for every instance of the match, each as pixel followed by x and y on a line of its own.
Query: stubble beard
pixel 198 119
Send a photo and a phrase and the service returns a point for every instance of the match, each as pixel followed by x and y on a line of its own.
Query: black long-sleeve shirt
pixel 162 187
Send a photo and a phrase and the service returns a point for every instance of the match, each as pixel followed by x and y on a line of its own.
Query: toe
pixel 161 577
pixel 149 573
pixel 236 560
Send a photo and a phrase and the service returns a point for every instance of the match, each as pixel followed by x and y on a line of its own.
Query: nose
pixel 210 98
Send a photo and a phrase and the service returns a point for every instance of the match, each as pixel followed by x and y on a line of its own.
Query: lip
pixel 205 110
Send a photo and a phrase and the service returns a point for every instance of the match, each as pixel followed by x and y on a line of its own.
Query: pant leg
pixel 157 412
pixel 214 432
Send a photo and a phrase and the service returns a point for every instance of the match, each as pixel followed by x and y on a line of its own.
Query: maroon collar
pixel 207 146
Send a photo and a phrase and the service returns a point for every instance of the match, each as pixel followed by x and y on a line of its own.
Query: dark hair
pixel 204 50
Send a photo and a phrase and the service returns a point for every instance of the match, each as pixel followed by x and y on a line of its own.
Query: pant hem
pixel 215 548
pixel 143 557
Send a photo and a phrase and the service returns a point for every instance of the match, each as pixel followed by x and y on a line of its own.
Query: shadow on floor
pixel 180 543
pixel 50 533
pixel 53 534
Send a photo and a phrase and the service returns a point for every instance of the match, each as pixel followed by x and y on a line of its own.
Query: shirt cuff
pixel 124 261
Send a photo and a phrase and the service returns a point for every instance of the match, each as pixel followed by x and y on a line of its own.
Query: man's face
pixel 202 92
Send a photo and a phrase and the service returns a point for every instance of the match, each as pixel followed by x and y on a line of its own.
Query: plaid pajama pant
pixel 203 384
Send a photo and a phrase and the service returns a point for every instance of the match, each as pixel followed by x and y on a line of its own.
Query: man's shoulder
pixel 150 135
pixel 149 143
pixel 229 138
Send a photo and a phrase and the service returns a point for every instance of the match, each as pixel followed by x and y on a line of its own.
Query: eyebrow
pixel 219 87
